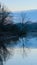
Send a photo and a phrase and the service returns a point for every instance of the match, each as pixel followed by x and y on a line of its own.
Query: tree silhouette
pixel 4 14
pixel 8 33
pixel 23 26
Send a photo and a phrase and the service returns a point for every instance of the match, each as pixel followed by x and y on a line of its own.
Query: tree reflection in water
pixel 4 52
pixel 24 49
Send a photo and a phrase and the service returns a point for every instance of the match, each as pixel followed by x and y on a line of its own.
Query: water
pixel 20 58
pixel 24 52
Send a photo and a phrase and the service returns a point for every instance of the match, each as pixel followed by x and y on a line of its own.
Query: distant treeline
pixel 18 29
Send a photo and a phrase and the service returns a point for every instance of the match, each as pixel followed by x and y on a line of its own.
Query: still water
pixel 23 53
pixel 20 58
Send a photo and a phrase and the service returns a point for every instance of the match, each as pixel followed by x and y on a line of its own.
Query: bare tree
pixel 22 16
pixel 4 15
pixel 22 20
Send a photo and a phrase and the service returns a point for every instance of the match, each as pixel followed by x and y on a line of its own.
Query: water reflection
pixel 6 43
pixel 4 53
pixel 17 59
pixel 9 45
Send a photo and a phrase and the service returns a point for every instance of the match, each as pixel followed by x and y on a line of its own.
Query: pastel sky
pixel 18 5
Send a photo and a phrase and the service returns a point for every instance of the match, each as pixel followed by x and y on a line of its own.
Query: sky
pixel 20 5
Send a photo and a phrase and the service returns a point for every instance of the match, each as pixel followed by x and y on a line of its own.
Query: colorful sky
pixel 18 5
